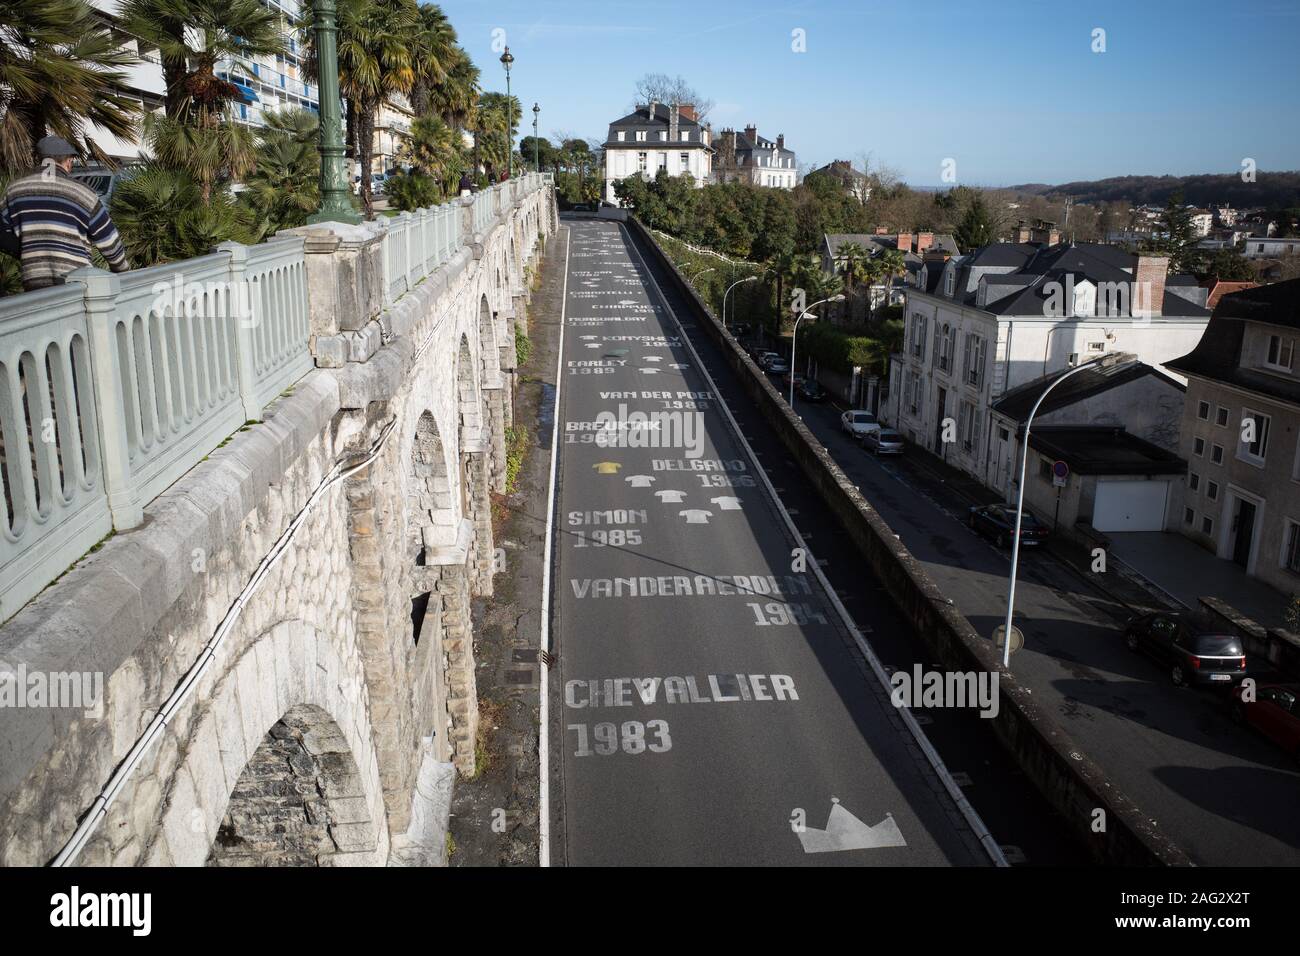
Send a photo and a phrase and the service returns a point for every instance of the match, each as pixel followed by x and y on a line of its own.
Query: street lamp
pixel 506 60
pixel 704 273
pixel 794 338
pixel 537 163
pixel 335 204
pixel 1020 503
pixel 728 292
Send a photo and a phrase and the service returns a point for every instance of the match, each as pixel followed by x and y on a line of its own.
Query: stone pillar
pixel 381 602
pixel 477 472
pixel 497 436
pixel 458 644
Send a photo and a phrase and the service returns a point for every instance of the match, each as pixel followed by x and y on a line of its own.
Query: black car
pixel 810 391
pixel 998 524
pixel 1194 650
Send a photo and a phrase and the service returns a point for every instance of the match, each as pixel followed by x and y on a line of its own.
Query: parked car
pixel 1275 713
pixel 883 441
pixel 795 378
pixel 857 423
pixel 1193 649
pixel 998 524
pixel 103 180
pixel 811 391
pixel 777 366
pixel 767 358
pixel 377 184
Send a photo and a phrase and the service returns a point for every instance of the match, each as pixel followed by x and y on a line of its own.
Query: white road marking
pixel 543 746
pixel 844 831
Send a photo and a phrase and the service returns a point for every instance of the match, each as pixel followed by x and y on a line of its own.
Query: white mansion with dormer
pixel 657 136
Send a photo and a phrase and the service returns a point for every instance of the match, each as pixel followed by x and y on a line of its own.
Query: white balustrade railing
pixel 113 386
pixel 55 504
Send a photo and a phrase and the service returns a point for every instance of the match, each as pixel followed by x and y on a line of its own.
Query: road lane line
pixel 968 812
pixel 543 746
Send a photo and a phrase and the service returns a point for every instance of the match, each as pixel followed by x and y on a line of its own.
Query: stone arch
pixel 475 470
pixel 299 801
pixel 431 503
pixel 291 670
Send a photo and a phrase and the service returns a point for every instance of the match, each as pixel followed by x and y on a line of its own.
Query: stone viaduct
pixel 285 641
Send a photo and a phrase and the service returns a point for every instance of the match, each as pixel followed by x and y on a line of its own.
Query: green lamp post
pixel 335 204
pixel 506 60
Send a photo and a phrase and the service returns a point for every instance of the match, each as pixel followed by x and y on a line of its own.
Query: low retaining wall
pixel 1071 781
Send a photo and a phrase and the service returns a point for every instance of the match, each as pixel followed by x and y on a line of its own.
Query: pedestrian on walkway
pixel 466 184
pixel 57 220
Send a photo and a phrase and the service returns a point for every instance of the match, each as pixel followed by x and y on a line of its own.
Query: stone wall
pixel 326 686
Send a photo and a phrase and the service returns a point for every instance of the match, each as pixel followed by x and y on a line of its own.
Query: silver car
pixel 883 441
pixel 856 423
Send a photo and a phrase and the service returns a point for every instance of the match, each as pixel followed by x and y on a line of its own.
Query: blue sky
pixel 1009 89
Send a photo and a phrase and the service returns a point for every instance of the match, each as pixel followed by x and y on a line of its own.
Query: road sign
pixel 1060 473
pixel 1017 637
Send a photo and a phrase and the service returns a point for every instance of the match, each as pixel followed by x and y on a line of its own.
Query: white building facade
pixel 657 137
pixel 979 326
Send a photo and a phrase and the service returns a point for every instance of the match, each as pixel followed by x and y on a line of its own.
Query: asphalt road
pixel 1224 794
pixel 708 697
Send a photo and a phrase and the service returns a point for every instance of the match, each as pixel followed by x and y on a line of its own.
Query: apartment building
pixel 1241 434
pixel 980 325
pixel 268 84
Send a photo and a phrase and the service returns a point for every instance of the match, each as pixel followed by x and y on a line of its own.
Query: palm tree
pixel 435 149
pixel 376 62
pixel 495 122
pixel 854 267
pixel 456 98
pixel 60 69
pixel 888 264
pixel 162 218
pixel 435 51
pixel 284 187
pixel 213 39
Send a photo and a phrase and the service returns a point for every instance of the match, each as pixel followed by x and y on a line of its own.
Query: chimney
pixel 673 126
pixel 924 240
pixel 904 242
pixel 652 108
pixel 1149 286
pixel 752 133
pixel 688 110
pixel 780 140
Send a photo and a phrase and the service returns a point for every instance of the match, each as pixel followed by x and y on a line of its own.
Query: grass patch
pixel 489 718
pixel 523 347
pixel 516 453
pixel 451 845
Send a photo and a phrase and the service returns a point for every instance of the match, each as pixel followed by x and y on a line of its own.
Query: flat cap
pixel 54 147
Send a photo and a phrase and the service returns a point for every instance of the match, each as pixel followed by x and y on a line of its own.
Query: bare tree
pixel 662 88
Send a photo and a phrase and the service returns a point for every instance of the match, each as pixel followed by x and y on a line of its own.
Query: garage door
pixel 1130 505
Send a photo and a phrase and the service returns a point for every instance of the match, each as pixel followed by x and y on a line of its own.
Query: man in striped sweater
pixel 57 219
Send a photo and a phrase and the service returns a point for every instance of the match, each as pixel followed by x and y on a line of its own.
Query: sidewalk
pixel 1189 572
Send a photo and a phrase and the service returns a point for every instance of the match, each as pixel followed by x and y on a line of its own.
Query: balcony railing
pixel 113 386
